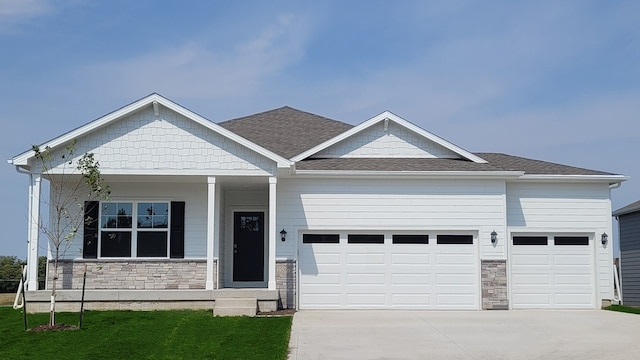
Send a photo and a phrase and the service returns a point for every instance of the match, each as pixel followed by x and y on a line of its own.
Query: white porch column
pixel 211 228
pixel 34 223
pixel 272 233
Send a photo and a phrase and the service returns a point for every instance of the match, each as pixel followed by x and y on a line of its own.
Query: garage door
pixel 552 272
pixel 378 271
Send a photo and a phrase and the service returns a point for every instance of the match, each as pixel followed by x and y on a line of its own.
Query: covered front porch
pixel 228 244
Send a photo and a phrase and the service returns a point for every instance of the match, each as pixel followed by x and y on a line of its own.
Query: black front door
pixel 248 246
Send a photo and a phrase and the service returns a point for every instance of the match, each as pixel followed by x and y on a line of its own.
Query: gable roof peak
pixel 286 131
pixel 150 100
pixel 388 115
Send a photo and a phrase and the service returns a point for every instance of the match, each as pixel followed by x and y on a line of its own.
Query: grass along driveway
pixel 145 335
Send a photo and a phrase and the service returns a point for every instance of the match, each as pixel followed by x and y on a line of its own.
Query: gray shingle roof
pixel 393 164
pixel 289 132
pixel 535 167
pixel 634 207
pixel 496 162
pixel 286 131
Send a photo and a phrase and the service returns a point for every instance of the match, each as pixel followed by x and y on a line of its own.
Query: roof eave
pixel 611 179
pixel 423 174
pixel 622 212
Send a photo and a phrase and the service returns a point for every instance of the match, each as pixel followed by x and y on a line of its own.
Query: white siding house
pixel 301 211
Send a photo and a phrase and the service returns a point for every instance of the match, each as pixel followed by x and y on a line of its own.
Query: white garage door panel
pixel 520 279
pixel 454 259
pixel 410 280
pixel 534 299
pixel 454 301
pixel 378 276
pixel 370 258
pixel 365 279
pixel 409 300
pixel 552 276
pixel 366 300
pixel 410 259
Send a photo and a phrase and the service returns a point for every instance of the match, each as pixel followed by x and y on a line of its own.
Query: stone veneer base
pixel 494 285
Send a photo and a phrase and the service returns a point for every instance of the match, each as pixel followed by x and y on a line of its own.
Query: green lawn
pixel 625 309
pixel 145 335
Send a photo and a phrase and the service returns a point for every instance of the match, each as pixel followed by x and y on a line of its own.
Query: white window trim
pixel 134 228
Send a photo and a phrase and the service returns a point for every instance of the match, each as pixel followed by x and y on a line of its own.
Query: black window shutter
pixel 177 230
pixel 90 233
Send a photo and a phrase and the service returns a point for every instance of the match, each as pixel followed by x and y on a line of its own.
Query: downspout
pixel 616 275
pixel 20 170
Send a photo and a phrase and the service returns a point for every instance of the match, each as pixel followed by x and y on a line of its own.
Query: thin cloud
pixel 202 70
pixel 13 12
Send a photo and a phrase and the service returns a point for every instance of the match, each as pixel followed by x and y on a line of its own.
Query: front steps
pixel 69 300
pixel 233 306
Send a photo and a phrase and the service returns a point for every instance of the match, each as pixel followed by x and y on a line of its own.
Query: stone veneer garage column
pixel 286 283
pixel 494 285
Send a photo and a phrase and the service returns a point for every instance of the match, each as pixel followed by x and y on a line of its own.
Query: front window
pixel 121 236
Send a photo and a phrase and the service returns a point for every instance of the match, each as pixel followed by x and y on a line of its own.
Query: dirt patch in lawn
pixel 282 312
pixel 56 327
pixel 7 299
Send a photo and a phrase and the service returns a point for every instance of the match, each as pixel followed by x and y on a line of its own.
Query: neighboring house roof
pixel 286 131
pixel 631 208
pixel 150 100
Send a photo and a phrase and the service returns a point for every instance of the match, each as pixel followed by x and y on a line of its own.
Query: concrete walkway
pixel 588 334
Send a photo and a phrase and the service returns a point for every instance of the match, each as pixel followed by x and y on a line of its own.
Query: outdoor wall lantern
pixel 283 235
pixel 604 238
pixel 494 237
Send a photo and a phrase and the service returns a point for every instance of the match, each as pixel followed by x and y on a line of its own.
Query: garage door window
pixel 320 239
pixel 455 239
pixel 410 239
pixel 365 239
pixel 530 240
pixel 571 240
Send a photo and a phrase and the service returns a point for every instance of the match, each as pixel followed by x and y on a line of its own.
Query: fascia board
pixel 22 159
pixel 398 120
pixel 423 174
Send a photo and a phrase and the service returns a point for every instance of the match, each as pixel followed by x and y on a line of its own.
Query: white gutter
pixel 598 178
pixel 442 174
pixel 615 185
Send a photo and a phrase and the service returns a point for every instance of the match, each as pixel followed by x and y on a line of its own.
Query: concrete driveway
pixel 588 334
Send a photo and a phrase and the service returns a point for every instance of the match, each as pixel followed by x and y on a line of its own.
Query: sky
pixel 550 80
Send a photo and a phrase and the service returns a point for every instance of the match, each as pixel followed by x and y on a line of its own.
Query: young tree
pixel 72 182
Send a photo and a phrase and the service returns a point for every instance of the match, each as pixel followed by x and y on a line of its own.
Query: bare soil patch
pixel 7 299
pixel 282 312
pixel 56 327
